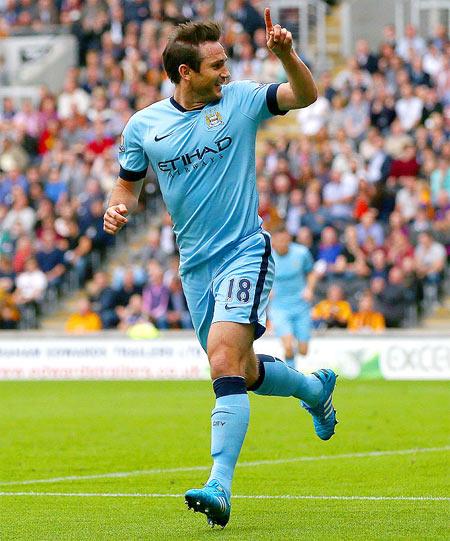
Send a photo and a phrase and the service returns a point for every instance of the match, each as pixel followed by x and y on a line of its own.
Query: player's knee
pixel 226 361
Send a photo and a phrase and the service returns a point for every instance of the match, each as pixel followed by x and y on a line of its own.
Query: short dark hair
pixel 183 46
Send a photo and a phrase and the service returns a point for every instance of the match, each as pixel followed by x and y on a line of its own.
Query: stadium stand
pixel 363 179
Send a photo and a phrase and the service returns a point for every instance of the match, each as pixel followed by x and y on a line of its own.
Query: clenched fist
pixel 115 218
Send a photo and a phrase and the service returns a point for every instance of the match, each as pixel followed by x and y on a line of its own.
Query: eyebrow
pixel 221 61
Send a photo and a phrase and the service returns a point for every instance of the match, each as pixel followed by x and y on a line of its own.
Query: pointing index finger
pixel 268 20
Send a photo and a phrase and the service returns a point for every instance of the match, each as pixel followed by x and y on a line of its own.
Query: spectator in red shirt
pixel 101 141
pixel 406 164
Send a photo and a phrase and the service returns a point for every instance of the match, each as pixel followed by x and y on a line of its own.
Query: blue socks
pixel 278 379
pixel 229 422
pixel 230 417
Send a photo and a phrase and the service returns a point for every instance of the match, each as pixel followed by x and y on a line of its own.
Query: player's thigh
pixel 242 285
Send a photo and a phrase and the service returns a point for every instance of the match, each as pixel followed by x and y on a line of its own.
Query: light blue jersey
pixel 291 271
pixel 289 312
pixel 205 163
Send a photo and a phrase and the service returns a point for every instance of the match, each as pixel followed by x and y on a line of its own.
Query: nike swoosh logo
pixel 162 137
pixel 230 307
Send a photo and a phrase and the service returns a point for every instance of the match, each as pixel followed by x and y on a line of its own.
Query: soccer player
pixel 292 293
pixel 201 144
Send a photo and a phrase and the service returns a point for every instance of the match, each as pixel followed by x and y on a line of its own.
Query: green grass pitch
pixel 54 430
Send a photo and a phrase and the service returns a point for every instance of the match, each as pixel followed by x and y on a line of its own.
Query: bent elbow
pixel 310 98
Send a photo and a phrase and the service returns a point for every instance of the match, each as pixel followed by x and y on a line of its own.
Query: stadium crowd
pixel 364 184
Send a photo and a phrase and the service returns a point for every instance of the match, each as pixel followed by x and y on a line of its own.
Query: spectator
pixel 31 284
pixel 409 108
pixel 178 316
pixel 295 211
pixel 410 44
pixel 73 100
pixel 356 118
pixel 366 319
pixel 103 299
pixel 407 201
pixel 9 312
pixel 50 259
pixel 55 188
pixel 329 248
pixel 394 298
pixel 365 59
pixel 368 227
pixel 155 297
pixel 20 212
pixel 333 311
pixel 440 179
pixel 397 141
pixel 23 251
pixel 430 259
pixel 312 119
pixel 132 313
pixel 152 249
pixel 378 265
pixel 128 288
pixel 351 249
pixel 85 320
pixel 338 198
pixel 406 164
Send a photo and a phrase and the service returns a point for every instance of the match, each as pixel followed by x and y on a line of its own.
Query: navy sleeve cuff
pixel 271 99
pixel 132 176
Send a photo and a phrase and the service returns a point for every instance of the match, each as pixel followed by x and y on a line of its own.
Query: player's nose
pixel 225 75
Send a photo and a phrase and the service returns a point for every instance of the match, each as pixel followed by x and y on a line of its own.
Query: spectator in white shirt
pixel 430 258
pixel 313 118
pixel 73 100
pixel 407 200
pixel 338 197
pixel 30 284
pixel 409 108
pixel 410 42
pixel 20 213
pixel 356 116
pixel 433 61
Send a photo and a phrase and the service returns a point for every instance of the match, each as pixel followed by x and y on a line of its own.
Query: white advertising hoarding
pixel 421 358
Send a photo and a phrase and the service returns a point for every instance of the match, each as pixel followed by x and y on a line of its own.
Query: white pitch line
pixel 239 497
pixel 133 473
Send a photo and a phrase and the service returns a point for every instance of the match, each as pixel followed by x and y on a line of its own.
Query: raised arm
pixel 301 89
pixel 123 200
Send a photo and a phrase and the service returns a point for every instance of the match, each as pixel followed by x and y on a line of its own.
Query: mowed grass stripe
pixel 133 473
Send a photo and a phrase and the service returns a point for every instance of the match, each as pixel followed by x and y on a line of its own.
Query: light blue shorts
pixel 234 287
pixel 295 321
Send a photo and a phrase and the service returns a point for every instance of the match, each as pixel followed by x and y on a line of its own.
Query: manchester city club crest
pixel 213 119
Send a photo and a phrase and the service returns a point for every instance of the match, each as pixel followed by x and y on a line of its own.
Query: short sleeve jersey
pixel 204 160
pixel 291 271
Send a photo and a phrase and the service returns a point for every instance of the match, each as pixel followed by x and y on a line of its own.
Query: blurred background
pixel 361 177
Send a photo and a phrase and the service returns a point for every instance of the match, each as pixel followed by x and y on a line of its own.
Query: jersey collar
pixel 183 110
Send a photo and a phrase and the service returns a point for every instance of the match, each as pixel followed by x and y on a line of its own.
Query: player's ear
pixel 185 72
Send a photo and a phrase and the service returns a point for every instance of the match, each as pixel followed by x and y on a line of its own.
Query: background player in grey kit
pixel 201 145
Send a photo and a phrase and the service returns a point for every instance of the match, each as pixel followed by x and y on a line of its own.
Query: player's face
pixel 213 74
pixel 281 241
